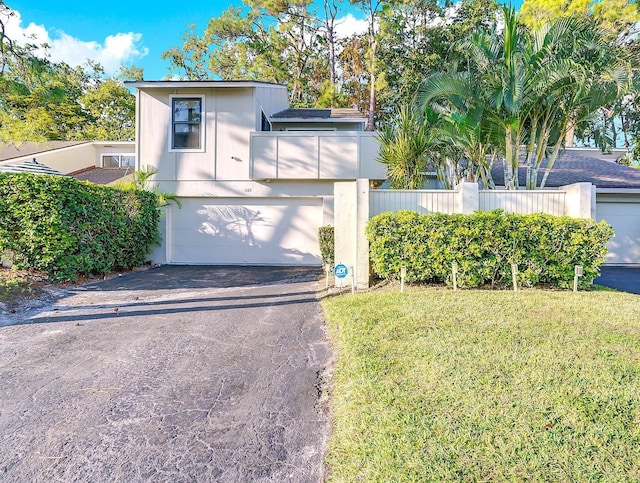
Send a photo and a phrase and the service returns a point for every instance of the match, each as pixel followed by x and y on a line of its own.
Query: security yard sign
pixel 341 270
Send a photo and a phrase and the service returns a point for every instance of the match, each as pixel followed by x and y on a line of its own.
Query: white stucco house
pixel 255 178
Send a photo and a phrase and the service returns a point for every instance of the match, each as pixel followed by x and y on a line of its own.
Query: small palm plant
pixel 407 148
pixel 141 180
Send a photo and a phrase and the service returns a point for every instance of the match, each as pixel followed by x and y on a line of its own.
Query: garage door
pixel 624 216
pixel 279 231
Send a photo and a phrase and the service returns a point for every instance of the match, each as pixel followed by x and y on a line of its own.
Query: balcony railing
pixel 330 155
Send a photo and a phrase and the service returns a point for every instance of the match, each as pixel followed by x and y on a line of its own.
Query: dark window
pixel 187 123
pixel 266 126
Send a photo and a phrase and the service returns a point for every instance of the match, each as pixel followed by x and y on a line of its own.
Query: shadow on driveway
pixel 189 276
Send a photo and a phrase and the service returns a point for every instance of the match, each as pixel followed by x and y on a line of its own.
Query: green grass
pixel 485 385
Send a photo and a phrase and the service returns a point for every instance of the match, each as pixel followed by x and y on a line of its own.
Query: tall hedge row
pixel 485 244
pixel 66 227
pixel 326 238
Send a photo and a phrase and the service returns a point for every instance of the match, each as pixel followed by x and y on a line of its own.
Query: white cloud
pixel 349 25
pixel 114 51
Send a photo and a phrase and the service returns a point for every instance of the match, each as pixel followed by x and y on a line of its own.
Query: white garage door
pixel 624 216
pixel 279 231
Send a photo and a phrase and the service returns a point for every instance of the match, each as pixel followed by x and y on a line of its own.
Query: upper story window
pixel 111 160
pixel 265 124
pixel 187 130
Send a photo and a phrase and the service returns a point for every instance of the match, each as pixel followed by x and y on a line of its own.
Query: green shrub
pixel 485 244
pixel 327 244
pixel 67 228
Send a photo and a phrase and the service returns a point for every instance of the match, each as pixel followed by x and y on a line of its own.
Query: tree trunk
pixel 568 138
pixel 372 69
pixel 510 161
pixel 330 13
pixel 532 177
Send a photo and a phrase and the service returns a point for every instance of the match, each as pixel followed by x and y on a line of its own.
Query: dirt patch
pixel 19 287
pixel 24 289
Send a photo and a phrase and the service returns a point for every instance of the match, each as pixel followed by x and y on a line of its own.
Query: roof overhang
pixel 618 191
pixel 284 120
pixel 199 84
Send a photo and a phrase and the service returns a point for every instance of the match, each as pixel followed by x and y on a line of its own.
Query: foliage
pixel 415 39
pixel 326 238
pixel 618 17
pixel 484 245
pixel 405 147
pixel 142 180
pixel 477 385
pixel 528 88
pixel 292 43
pixel 615 124
pixel 111 109
pixel 66 227
pixel 262 40
pixel 16 285
pixel 41 100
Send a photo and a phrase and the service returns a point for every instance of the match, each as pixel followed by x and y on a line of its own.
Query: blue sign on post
pixel 341 270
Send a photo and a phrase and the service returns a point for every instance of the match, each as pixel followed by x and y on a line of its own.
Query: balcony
pixel 307 155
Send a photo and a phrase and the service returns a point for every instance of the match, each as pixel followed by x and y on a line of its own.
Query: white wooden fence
pixel 422 201
pixel 551 202
pixel 523 202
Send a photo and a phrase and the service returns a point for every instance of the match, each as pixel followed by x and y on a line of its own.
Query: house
pixel 617 191
pixel 255 177
pixel 101 162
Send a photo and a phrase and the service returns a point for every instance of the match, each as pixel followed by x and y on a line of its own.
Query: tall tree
pixel 618 17
pixel 531 86
pixel 6 43
pixel 372 10
pixel 42 101
pixel 416 38
pixel 355 73
pixel 619 21
pixel 266 40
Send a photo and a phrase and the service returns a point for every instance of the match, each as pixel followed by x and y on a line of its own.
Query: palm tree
pixel 526 88
pixel 406 144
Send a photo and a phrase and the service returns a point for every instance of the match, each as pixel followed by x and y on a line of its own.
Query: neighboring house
pixel 617 194
pixel 101 162
pixel 255 178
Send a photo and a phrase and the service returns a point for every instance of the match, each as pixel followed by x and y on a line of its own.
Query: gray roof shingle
pixel 314 113
pixel 103 175
pixel 576 166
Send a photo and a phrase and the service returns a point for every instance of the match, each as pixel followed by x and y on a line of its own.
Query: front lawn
pixel 485 385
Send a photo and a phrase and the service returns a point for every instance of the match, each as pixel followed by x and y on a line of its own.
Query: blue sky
pixel 115 31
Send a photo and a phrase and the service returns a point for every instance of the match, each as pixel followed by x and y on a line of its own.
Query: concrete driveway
pixel 173 374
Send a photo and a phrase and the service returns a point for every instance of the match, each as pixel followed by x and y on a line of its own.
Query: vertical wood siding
pixel 523 202
pixel 444 201
pixel 422 201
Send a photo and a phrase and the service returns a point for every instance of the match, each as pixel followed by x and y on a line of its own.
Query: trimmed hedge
pixel 66 227
pixel 484 244
pixel 326 238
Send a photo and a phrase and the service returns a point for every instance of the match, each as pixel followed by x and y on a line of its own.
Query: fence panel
pixel 422 201
pixel 523 202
